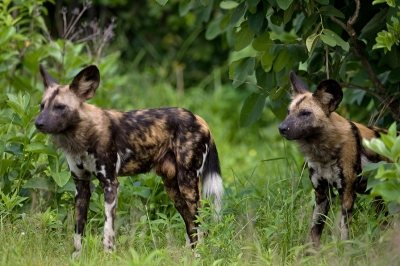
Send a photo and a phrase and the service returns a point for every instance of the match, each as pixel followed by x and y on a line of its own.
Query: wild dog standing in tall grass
pixel 333 149
pixel 174 142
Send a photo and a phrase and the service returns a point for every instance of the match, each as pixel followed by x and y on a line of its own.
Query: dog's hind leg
pixel 166 167
pixel 189 188
pixel 347 196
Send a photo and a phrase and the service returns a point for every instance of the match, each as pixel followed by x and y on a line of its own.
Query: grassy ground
pixel 267 207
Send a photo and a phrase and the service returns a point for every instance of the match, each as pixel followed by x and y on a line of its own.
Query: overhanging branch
pixel 358 51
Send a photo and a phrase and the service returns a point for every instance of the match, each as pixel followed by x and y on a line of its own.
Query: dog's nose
pixel 283 129
pixel 39 124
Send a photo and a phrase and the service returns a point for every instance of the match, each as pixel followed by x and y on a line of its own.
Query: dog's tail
pixel 212 181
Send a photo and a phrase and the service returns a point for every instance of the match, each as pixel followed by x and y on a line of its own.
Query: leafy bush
pixel 29 164
pixel 384 177
pixel 319 39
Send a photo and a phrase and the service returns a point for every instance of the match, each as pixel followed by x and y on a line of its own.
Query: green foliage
pixel 30 165
pixel 386 39
pixel 318 39
pixel 384 177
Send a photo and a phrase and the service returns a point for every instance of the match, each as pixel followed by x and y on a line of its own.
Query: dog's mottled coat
pixel 333 149
pixel 174 142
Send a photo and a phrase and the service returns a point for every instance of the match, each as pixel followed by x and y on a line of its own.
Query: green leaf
pixel 287 15
pixel 38 147
pixel 238 13
pixel 331 11
pixel 228 4
pixel 393 208
pixel 61 178
pixel 378 146
pixel 311 42
pixel 263 42
pixel 16 106
pixel 252 109
pixel 38 183
pixel 329 40
pixel 315 62
pixel 389 2
pixel 298 52
pixel 276 20
pixel 376 24
pixel 244 37
pixel 242 70
pixel 281 60
pixel 256 21
pixel 205 2
pixel 276 48
pixel 394 76
pixel 388 190
pixel 6 33
pixel 339 41
pixel 323 2
pixel 278 108
pixel 69 187
pixel 162 2
pixel 393 57
pixel 253 3
pixel 277 92
pixel 284 4
pixel 267 61
pixel 213 29
pixel 371 167
pixel 396 149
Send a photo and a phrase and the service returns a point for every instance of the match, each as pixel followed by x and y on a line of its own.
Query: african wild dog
pixel 174 142
pixel 333 149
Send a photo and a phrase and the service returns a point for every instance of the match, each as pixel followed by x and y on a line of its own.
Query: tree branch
pixel 356 47
pixel 358 51
pixel 353 86
pixel 299 5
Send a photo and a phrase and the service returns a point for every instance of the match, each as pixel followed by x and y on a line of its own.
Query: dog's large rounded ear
pixel 329 94
pixel 298 86
pixel 86 82
pixel 48 79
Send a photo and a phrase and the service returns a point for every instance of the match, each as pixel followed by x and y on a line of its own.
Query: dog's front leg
pixel 82 198
pixel 110 188
pixel 323 197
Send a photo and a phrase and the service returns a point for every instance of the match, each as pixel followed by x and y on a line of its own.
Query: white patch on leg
pixel 187 240
pixel 77 246
pixel 103 171
pixel 118 166
pixel 318 211
pixel 199 236
pixel 109 233
pixel 200 170
pixel 344 230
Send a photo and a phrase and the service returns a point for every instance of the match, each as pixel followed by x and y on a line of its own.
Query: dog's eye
pixel 59 106
pixel 305 113
pixel 288 111
pixel 41 106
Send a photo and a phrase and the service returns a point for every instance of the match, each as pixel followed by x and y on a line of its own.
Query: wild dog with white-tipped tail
pixel 174 142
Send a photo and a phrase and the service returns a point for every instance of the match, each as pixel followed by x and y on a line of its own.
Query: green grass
pixel 267 206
